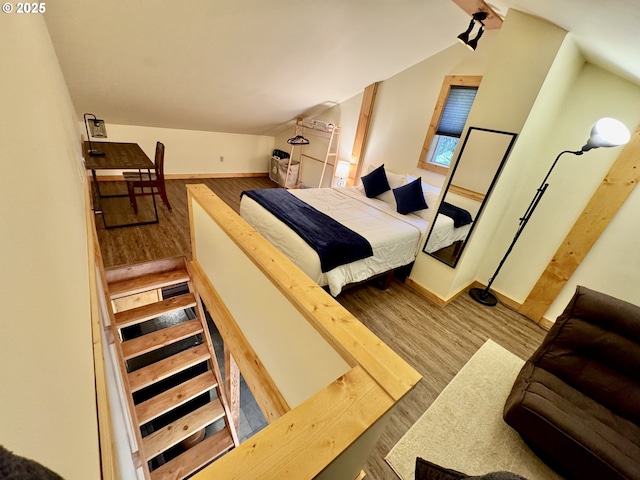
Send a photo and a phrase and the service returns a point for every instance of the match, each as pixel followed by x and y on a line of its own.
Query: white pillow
pixel 395 180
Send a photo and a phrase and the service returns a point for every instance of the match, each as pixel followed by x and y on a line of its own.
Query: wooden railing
pixel 323 381
pixel 109 466
pixel 314 415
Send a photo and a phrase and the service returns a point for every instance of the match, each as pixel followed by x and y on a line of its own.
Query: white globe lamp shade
pixel 607 132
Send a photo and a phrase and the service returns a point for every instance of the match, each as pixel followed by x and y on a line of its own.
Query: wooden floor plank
pixel 170 237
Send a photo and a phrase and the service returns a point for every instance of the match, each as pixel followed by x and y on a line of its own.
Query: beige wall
pixel 405 103
pixel 296 356
pixel 47 396
pixel 594 94
pixel 520 91
pixel 536 83
pixel 196 152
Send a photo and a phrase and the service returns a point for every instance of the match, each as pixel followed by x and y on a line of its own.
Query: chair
pixel 576 402
pixel 137 182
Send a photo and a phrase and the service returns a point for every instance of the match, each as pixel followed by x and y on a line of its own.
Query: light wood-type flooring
pixel 436 341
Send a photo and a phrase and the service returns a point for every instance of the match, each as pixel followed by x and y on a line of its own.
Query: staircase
pixel 171 378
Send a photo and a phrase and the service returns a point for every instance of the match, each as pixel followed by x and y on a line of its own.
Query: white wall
pixel 404 106
pixel 195 152
pixel 346 116
pixel 48 402
pixel 524 87
pixel 536 84
pixel 595 94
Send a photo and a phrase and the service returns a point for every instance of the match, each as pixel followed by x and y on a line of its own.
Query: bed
pixel 394 238
pixel 445 233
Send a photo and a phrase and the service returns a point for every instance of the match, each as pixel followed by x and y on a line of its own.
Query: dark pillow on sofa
pixel 409 197
pixel 375 182
pixel 425 470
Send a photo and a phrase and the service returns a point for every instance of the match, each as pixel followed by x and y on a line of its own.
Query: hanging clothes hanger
pixel 298 140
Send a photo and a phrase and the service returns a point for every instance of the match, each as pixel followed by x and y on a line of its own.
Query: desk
pixel 117 156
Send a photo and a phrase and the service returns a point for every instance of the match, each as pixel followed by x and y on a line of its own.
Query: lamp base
pixel 96 153
pixel 483 296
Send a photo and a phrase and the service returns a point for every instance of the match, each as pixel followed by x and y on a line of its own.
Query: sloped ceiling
pixel 251 66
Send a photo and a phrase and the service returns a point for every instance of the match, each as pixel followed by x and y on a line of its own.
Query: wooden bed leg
pixel 388 278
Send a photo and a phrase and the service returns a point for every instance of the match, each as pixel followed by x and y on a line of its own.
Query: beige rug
pixel 464 430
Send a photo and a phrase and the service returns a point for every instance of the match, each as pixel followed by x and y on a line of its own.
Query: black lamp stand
pixel 484 296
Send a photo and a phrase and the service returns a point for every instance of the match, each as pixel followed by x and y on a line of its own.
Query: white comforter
pixel 394 238
pixel 445 234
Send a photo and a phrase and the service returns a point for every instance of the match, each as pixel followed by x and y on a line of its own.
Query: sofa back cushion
pixel 594 346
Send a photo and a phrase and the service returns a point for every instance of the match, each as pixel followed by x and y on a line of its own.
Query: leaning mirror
pixel 480 160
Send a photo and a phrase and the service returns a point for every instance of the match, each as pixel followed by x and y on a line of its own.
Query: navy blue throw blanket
pixel 460 216
pixel 334 243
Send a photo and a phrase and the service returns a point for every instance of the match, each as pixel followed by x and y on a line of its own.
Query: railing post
pixel 232 386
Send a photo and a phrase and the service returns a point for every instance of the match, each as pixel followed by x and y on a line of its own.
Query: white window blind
pixel 456 111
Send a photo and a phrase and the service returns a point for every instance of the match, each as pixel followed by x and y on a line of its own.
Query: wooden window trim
pixel 449 81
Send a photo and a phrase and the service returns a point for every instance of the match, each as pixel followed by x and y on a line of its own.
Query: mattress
pixel 445 234
pixel 394 238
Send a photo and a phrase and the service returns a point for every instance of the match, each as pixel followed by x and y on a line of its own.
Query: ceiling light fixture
pixel 464 36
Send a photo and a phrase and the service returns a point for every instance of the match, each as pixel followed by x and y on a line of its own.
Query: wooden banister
pixel 336 415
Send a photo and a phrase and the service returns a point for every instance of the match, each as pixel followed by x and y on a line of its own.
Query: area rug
pixel 463 429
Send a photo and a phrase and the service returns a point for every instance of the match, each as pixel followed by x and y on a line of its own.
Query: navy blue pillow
pixel 409 197
pixel 375 182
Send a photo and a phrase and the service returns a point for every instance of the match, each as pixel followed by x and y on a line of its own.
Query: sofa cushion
pixel 594 346
pixel 572 432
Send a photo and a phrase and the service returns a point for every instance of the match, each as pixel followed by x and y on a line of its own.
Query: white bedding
pixel 394 238
pixel 445 234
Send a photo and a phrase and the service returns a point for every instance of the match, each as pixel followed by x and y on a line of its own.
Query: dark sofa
pixel 576 401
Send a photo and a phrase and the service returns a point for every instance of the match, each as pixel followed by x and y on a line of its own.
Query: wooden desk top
pixel 118 156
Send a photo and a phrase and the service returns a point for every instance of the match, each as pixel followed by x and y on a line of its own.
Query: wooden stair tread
pixel 160 338
pixel 146 282
pixel 161 440
pixel 167 366
pixel 194 458
pixel 117 273
pixel 143 313
pixel 174 397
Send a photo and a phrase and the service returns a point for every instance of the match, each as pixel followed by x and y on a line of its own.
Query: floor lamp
pixel 607 132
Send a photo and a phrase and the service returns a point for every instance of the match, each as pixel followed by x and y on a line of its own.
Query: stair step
pixel 161 440
pixel 166 367
pixel 141 314
pixel 114 274
pixel 146 282
pixel 160 338
pixel 174 397
pixel 194 458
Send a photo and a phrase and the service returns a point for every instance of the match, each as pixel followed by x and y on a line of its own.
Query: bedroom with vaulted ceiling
pixel 334 240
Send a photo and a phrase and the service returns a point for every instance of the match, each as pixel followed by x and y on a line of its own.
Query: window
pixel 449 117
